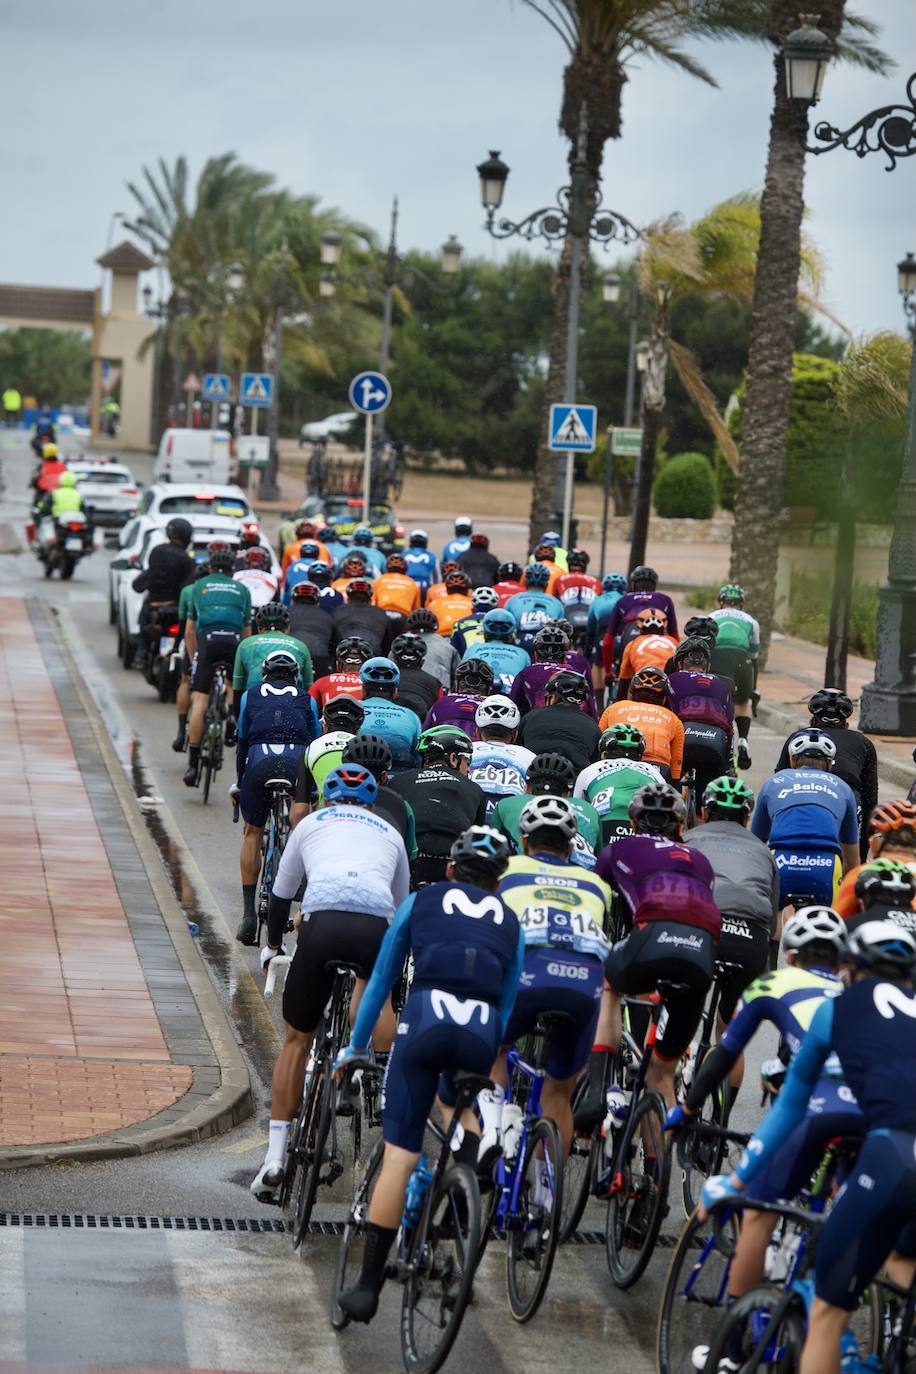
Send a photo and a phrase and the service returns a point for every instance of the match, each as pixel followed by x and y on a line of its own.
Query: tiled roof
pixel 46 303
pixel 126 257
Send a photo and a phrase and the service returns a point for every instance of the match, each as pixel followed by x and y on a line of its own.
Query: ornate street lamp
pixel 451 256
pixel 330 246
pixel 610 288
pixel 807 51
pixel 906 285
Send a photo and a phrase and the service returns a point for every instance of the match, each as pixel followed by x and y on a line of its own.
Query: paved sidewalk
pixel 103 1039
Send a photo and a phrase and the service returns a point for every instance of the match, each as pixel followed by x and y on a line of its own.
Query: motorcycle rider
pixel 170 566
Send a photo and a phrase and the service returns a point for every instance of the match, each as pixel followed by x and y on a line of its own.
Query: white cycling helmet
pixel 882 942
pixel 497 710
pixel 811 742
pixel 554 813
pixel 484 599
pixel 812 925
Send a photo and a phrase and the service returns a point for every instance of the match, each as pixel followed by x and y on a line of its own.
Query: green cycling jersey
pixel 251 653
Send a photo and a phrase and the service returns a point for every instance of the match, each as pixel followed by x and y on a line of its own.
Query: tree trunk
pixel 844 557
pixel 543 487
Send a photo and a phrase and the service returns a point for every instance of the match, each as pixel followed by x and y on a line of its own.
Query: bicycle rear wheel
pixel 699 1157
pixel 445 1258
pixel 352 1242
pixel 763 1330
pixel 296 1159
pixel 578 1177
pixel 532 1234
pixel 639 1191
pixel 314 1148
pixel 694 1294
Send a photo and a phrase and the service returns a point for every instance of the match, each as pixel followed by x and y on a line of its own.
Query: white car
pixel 336 426
pixel 110 493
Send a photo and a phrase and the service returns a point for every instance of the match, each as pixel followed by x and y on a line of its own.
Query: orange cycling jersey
pixel 294 550
pixel 396 592
pixel 448 611
pixel 663 732
pixel 646 651
pixel 845 901
pixel 435 592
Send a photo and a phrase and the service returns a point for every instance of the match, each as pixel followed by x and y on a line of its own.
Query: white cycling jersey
pixel 500 769
pixel 351 859
pixel 262 586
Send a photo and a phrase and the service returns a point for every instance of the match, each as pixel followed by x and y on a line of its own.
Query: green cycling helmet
pixel 729 794
pixel 622 739
pixel 439 741
pixel 731 594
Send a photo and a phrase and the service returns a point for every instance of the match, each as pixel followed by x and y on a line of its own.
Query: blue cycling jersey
pixel 805 808
pixel 455 547
pixel 532 610
pixel 500 770
pixel 506 660
pixel 398 726
pixel 788 998
pixel 422 566
pixel 272 714
pixel 297 572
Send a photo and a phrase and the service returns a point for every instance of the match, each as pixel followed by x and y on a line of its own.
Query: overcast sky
pixel 354 100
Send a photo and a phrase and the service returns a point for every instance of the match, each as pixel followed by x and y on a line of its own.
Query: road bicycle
pixel 211 744
pixel 273 842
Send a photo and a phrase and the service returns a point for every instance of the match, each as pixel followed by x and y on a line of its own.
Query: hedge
pixel 685 489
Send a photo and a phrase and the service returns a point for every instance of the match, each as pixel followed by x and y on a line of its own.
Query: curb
pixel 233 1101
pixel 890 769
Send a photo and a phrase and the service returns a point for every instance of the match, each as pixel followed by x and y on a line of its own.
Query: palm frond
pixel 644 43
pixel 873 381
pixel 857 52
pixel 694 383
pixel 570 40
pixel 810 302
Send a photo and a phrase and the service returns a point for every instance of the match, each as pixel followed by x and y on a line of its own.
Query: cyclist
pixel 421 564
pixel 508 581
pixel 468 631
pixel 533 607
pixel 219 617
pixel 856 761
pixel 734 658
pixel 703 705
pixel 363 542
pixel 529 687
pixel 562 911
pixel 340 720
pixel 320 574
pixel 481 566
pixel 551 775
pixel 397 725
pixel 573 658
pixel 372 753
pixel 891 835
pixel 437 589
pixel 183 695
pixel 461 542
pixel 395 591
pixel 610 784
pixel 300 568
pixel 746 890
pixel 646 708
pixel 467 952
pixel 563 722
pixel 885 891
pixel 473 682
pixel 577 586
pixel 870 1029
pixel 443 799
pixel 277 721
pixel 358 617
pixel 546 554
pixel 355 870
pixel 418 690
pixel 613 586
pixel 306 530
pixel 455 604
pixel 808 818
pixel 256 573
pixel 499 649
pixel 498 764
pixel 169 568
pixel 312 625
pixel 271 623
pixel 668 888
pixel 354 567
pixel 441 659
pixel 651 647
pixel 350 655
pixel 642 592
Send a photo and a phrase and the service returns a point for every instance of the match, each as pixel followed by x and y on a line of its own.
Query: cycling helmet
pixel 509 572
pixel 463 524
pixel 409 651
pixel 643 579
pixel 251 533
pixel 811 744
pixel 882 942
pixel 484 599
pixel 450 565
pixel 890 816
pixel 702 627
pixel 551 537
pixel 549 813
pixel 550 644
pixel 622 740
pixel 497 710
pixel 577 560
pixel 441 741
pixel 319 571
pixel 419 539
pixel 550 773
pixel 379 672
pixel 369 751
pixel 343 713
pixel 481 849
pixel 222 561
pixel 545 553
pixel 305 529
pixel 815 925
pixel 273 616
pixel 830 706
pixel 480 541
pixel 649 684
pixel 457 581
pixel 693 650
pixel 396 563
pixel 257 557
pixel 324 533
pixel 731 595
pixel 218 546
pixel 652 621
pixel 362 536
pixel 568 687
pixel 308 551
pixel 614 582
pixel 306 592
pixel 475 676
pixel 180 530
pixel 566 630
pixel 886 880
pixel 536 575
pixel 49 451
pixel 359 587
pixel 280 663
pixel 353 651
pixel 349 783
pixel 423 621
pixel 498 625
pixel 657 810
pixel 729 794
pixel 353 565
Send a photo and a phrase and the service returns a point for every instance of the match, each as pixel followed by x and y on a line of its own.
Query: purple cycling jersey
pixel 701 699
pixel 529 687
pixel 662 880
pixel 631 603
pixel 458 708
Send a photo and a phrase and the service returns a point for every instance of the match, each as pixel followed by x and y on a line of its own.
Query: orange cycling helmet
pixel 893 815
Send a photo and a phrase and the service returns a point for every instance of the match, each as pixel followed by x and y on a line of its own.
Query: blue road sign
pixel 216 386
pixel 256 389
pixel 572 428
pixel 370 392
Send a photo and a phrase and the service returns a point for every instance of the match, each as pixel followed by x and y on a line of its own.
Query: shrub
pixel 685 489
pixel 726 481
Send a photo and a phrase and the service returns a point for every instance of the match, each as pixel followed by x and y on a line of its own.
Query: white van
pixel 194 455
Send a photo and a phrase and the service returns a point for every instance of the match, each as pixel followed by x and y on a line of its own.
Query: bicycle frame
pixel 509 1180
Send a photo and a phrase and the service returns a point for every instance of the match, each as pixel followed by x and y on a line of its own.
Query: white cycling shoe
pixel 489 1151
pixel 700 1354
pixel 266 1184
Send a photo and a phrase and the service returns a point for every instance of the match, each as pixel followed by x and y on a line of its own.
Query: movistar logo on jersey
pixel 889 998
pixel 447 1007
pixel 455 900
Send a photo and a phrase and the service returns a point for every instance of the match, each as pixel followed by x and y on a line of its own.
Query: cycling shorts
pixel 439 1034
pixel 666 950
pixel 571 983
pixel 707 749
pixel 213 646
pixel 254 798
pixel 808 872
pixel 327 938
pixel 832 1112
pixel 737 668
pixel 865 1224
pixel 746 945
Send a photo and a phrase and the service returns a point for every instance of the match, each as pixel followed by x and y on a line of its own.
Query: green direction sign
pixel 626 442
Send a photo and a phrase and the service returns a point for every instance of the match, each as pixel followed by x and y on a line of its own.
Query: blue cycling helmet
pixel 537 575
pixel 482 849
pixel 498 624
pixel 362 535
pixel 550 537
pixel 350 783
pixel 381 671
pixel 319 571
pixel 614 582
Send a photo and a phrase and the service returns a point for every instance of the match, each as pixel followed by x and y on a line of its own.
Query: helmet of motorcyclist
pixel 250 532
pixel 179 531
pixel 67 479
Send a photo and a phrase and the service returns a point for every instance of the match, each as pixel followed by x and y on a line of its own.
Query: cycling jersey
pixel 646 651
pixel 480 565
pixel 398 726
pixel 577 588
pixel 747 879
pixel 663 732
pixel 845 902
pixel 557 904
pixel 418 691
pixel 499 769
pixel 586 842
pixel 788 999
pixel 293 551
pixel 506 590
pixel 444 803
pixel 336 685
pixel 662 880
pixel 856 763
pixel 609 786
pixel 599 613
pixel 506 660
pixel 532 611
pixel 375 560
pixel 262 585
pixel 271 714
pixel 322 756
pixel 701 699
pixel 251 653
pixel 466 632
pixel 456 708
pixel 806 809
pixel 316 630
pixel 529 688
pixel 631 603
pixel 421 566
pixel 396 592
pixel 561 729
pixel 367 622
pixel 455 548
pixel 441 659
pixel 219 603
pixel 301 571
pixel 449 609
pixel 737 630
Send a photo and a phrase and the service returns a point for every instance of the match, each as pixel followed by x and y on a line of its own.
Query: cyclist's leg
pixel 254 804
pixel 387 1024
pixel 747 946
pixel 201 681
pixel 183 700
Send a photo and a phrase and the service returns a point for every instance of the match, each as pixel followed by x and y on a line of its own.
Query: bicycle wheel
pixel 443 1259
pixel 296 1159
pixel 578 1176
pixel 694 1293
pixel 639 1190
pixel 701 1157
pixel 314 1147
pixel 206 760
pixel 763 1330
pixel 532 1234
pixel 350 1255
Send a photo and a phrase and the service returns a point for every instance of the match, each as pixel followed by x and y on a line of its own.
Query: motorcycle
pixel 162 669
pixel 61 543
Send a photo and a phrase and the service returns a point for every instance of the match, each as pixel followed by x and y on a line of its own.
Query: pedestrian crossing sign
pixel 256 389
pixel 573 428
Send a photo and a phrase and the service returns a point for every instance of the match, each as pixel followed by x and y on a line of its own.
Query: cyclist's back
pixel 664 733
pixel 351 859
pixel 609 786
pixel 808 818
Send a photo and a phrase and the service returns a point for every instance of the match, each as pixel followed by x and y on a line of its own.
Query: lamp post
pixel 610 293
pixel 230 282
pixel 906 285
pixel 268 489
pixel 579 216
pixel 889 703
